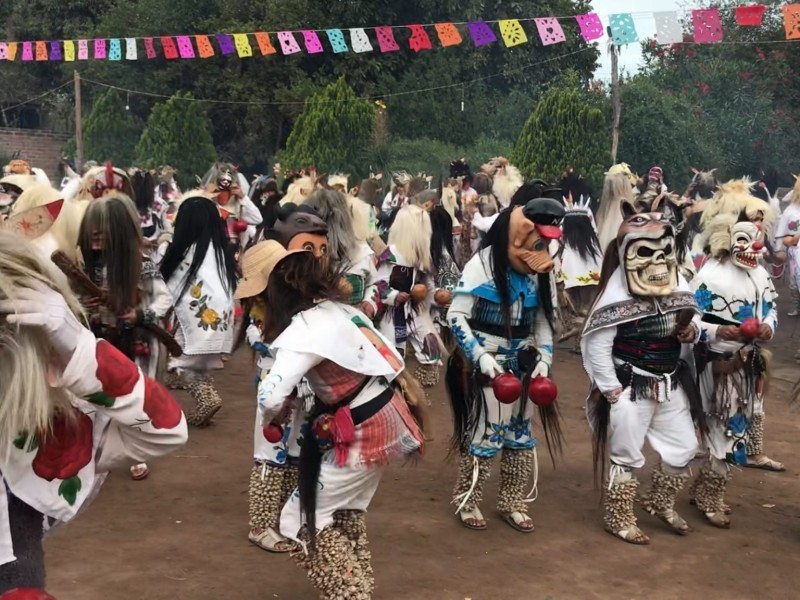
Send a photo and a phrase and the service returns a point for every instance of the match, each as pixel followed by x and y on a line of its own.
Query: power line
pixel 42 95
pixel 369 98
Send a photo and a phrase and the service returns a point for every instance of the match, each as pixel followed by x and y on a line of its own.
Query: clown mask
pixel 746 245
pixel 527 248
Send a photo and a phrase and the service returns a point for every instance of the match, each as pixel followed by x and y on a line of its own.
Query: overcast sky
pixel 630 56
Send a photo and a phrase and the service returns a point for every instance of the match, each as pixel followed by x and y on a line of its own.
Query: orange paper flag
pixel 204 47
pixel 264 44
pixel 41 50
pixel 791 21
pixel 12 50
pixel 448 34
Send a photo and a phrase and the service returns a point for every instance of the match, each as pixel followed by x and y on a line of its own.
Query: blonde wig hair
pixel 411 234
pixel 617 188
pixel 27 401
pixel 299 190
pixel 507 180
pixel 450 203
pixel 732 200
pixel 362 215
pixel 796 190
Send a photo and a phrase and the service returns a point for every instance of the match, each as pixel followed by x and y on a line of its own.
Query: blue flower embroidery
pixel 520 426
pixel 703 298
pixel 766 307
pixel 498 432
pixel 745 312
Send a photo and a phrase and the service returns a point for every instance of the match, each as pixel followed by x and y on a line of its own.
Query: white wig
pixel 411 234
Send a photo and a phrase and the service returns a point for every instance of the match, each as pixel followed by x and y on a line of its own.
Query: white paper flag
pixel 359 40
pixel 130 49
pixel 668 28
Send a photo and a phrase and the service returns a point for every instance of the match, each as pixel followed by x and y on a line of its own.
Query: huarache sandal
pixel 270 540
pixel 518 521
pixel 472 519
pixel 632 535
pixel 765 463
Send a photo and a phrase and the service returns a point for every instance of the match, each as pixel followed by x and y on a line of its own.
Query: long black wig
pixel 442 236
pixel 579 234
pixel 199 224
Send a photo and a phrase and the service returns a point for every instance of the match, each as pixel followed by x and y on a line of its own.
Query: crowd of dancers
pixel 116 280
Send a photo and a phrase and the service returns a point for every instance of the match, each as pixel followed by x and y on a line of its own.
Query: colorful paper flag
pixel 204 47
pixel 69 51
pixel 55 51
pixel 386 41
pixel 448 34
pixel 512 32
pixel 99 49
pixel 41 50
pixel 3 51
pixel 481 33
pixel 27 51
pixel 550 31
pixel 337 41
pixel 707 26
pixel 168 45
pixel 226 45
pixel 130 49
pixel 419 40
pixel 185 48
pixel 750 16
pixel 289 45
pixel 791 20
pixel 359 40
pixel 114 50
pixel 591 26
pixel 83 49
pixel 264 44
pixel 12 50
pixel 243 47
pixel 668 28
pixel 311 40
pixel 149 48
pixel 623 30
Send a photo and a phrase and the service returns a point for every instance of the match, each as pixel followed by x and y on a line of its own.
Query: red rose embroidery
pixel 117 373
pixel 64 451
pixel 160 406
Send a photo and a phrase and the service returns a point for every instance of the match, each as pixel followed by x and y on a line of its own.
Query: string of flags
pixel 707 29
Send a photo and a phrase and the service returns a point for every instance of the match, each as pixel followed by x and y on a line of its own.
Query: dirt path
pixel 181 534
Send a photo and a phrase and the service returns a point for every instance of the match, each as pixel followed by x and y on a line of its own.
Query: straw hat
pixel 258 263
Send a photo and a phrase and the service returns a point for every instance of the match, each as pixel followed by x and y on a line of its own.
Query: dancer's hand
pixel 488 366
pixel 542 369
pixel 402 298
pixel 367 309
pixel 729 333
pixel 764 332
pixel 687 334
pixel 42 307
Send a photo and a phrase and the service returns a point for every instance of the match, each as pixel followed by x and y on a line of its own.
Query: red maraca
pixel 26 594
pixel 273 433
pixel 507 388
pixel 542 391
pixel 240 226
pixel 749 329
pixel 223 197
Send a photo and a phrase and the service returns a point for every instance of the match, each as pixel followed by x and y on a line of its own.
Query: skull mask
pixel 647 252
pixel 746 244
pixel 225 180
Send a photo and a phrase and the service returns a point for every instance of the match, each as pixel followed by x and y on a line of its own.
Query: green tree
pixel 111 131
pixel 178 133
pixel 567 128
pixel 335 132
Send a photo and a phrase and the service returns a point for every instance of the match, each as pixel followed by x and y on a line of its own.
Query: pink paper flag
pixel 311 40
pixel 83 49
pixel 27 51
pixel 149 49
pixel 707 26
pixel 288 43
pixel 591 26
pixel 3 51
pixel 550 31
pixel 99 49
pixel 386 41
pixel 185 48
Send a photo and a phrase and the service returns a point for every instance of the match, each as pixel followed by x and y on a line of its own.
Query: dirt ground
pixel 182 533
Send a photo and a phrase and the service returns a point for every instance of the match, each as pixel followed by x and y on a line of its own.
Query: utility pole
pixel 78 124
pixel 616 100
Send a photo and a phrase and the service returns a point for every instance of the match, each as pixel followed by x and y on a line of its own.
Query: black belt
pixel 517 332
pixel 370 408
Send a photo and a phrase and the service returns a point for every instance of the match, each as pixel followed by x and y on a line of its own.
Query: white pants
pixel 667 426
pixel 339 488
